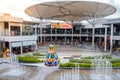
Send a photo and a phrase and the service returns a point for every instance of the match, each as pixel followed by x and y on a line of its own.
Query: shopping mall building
pixel 23 36
pixel 16 34
pixel 79 33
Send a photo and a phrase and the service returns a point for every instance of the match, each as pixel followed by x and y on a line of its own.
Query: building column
pixel 55 34
pixel 21 47
pixel 65 37
pixel 72 35
pixel 87 35
pixel 51 33
pixel 105 39
pixel 9 29
pixel 100 31
pixel 93 36
pixel 35 31
pixel 44 35
pixel 44 38
pixel 111 39
pixel 41 33
pixel 21 30
pixel 100 40
pixel 80 34
pixel 10 46
pixel 36 46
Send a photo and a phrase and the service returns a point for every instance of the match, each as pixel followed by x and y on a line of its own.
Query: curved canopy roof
pixel 70 10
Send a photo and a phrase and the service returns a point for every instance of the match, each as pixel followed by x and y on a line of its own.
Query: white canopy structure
pixel 71 10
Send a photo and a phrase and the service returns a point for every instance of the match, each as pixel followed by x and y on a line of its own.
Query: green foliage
pixel 107 57
pixel 28 56
pixel 88 57
pixel 29 59
pixel 74 60
pixel 117 64
pixel 92 57
pixel 70 64
pixel 115 60
pixel 80 60
pixel 38 54
pixel 85 65
pixel 86 62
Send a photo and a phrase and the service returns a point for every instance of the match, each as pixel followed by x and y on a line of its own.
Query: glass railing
pixel 116 34
pixel 27 33
pixel 23 34
pixel 18 34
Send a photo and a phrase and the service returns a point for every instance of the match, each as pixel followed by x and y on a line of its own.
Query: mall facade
pixel 16 34
pixel 80 34
pixel 23 36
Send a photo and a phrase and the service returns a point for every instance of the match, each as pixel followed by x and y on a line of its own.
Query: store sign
pixel 62 25
pixel 65 26
pixel 55 25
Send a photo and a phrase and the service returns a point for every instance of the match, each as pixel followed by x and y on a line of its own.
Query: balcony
pixel 116 37
pixel 18 38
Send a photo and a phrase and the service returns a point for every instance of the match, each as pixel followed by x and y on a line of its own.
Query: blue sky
pixel 17 7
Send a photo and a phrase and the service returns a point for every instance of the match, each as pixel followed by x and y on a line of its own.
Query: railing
pixel 116 34
pixel 27 33
pixel 17 38
pixel 18 34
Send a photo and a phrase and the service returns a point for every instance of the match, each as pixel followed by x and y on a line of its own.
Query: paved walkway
pixel 67 51
pixel 62 51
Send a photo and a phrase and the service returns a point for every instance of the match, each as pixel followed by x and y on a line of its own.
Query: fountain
pixel 15 69
pixel 118 74
pixel 73 74
pixel 101 70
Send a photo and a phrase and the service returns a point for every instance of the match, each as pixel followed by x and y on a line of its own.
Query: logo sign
pixel 56 25
pixel 65 26
pixel 62 25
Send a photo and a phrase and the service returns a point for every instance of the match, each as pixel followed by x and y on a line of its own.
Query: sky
pixel 17 7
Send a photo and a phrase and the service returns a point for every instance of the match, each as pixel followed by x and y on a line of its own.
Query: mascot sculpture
pixel 52 58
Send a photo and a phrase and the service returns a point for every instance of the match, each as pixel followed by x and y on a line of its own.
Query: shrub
pixel 29 59
pixel 88 57
pixel 92 57
pixel 85 65
pixel 27 56
pixel 38 54
pixel 68 64
pixel 107 57
pixel 74 60
pixel 117 64
pixel 114 60
pixel 80 60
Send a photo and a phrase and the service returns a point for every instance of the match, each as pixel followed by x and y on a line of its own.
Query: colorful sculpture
pixel 52 58
pixel 6 53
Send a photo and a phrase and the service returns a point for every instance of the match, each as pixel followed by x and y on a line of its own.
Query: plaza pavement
pixel 62 51
pixel 68 51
